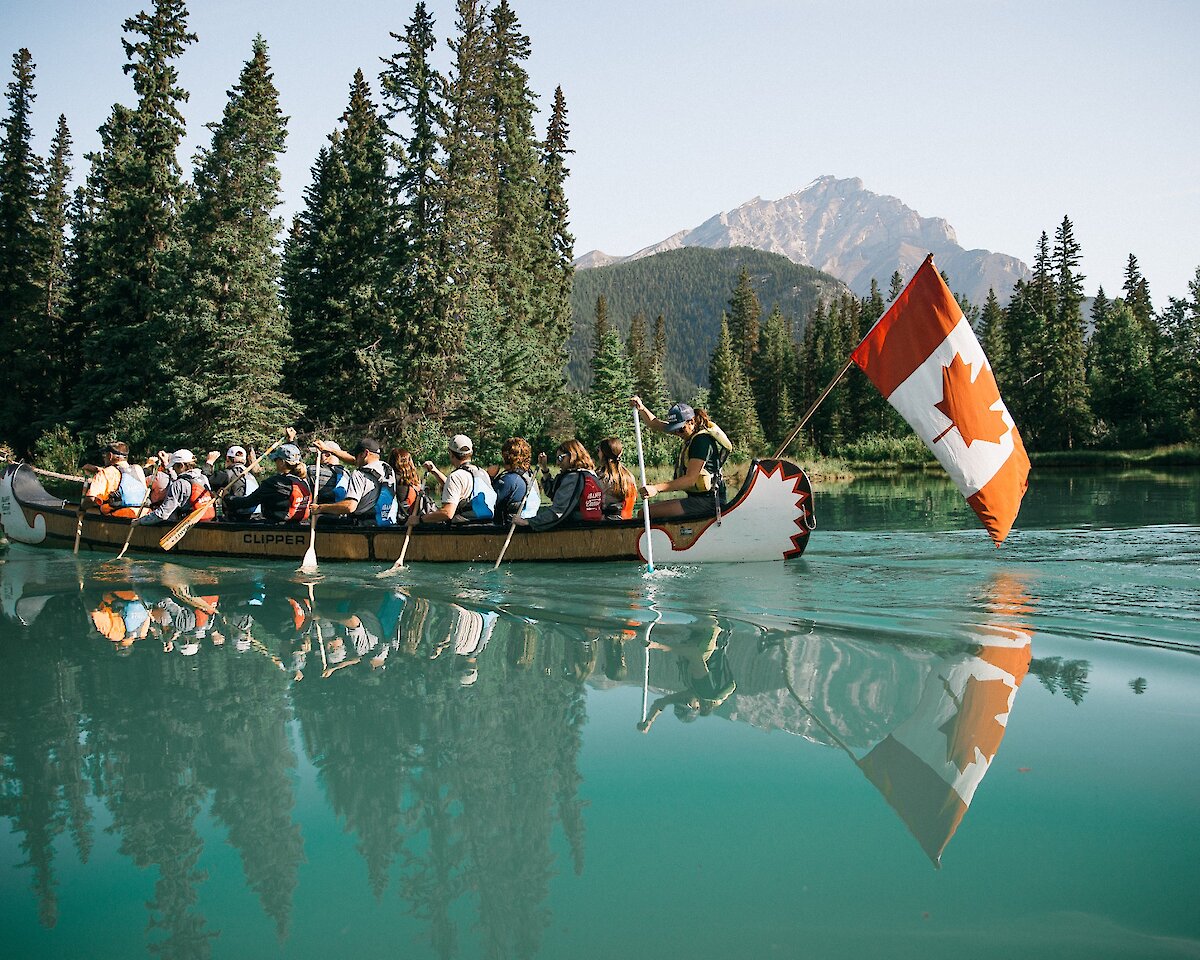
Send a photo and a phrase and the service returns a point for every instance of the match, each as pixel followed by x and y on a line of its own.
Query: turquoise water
pixel 264 771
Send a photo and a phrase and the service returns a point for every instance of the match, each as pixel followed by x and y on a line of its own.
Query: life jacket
pixel 200 495
pixel 482 501
pixel 333 484
pixel 129 496
pixel 415 500
pixel 591 496
pixel 525 504
pixel 379 507
pixel 297 501
pixel 710 474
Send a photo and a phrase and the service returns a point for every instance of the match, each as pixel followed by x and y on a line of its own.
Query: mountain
pixel 689 287
pixel 847 231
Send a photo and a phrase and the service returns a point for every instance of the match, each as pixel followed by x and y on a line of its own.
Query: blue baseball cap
pixel 288 453
pixel 677 416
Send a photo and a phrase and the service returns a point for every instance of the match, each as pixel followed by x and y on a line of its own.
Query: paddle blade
pixel 179 531
pixel 309 565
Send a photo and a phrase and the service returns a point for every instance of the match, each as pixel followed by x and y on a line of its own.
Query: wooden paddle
pixel 412 522
pixel 132 524
pixel 179 531
pixel 79 517
pixel 309 564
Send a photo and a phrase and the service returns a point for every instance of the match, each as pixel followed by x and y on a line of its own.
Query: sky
pixel 999 116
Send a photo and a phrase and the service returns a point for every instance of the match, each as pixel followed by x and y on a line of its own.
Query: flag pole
pixel 813 409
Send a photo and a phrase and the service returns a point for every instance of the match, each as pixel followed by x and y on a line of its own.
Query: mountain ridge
pixel 839 227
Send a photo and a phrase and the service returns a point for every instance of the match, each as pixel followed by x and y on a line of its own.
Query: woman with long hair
pixel 698 467
pixel 408 483
pixel 620 489
pixel 576 492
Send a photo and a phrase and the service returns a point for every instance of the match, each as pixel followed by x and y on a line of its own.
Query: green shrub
pixel 58 449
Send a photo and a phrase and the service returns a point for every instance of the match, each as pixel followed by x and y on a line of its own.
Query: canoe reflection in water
pixel 445 727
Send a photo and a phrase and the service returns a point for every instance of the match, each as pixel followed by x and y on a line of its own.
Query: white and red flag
pixel 925 359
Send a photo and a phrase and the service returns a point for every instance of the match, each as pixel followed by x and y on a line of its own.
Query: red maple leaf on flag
pixel 968 403
pixel 975 724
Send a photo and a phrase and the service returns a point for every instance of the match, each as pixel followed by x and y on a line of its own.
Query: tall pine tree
pixel 230 384
pixel 731 403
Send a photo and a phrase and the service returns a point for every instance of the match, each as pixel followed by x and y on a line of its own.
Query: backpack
pixel 482 502
pixel 525 503
pixel 591 497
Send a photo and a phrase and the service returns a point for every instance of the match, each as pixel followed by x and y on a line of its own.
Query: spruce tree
pixel 1178 373
pixel 895 286
pixel 62 347
pixel 412 91
pixel 1122 378
pixel 605 407
pixel 774 376
pixel 556 272
pixel 745 312
pixel 23 255
pixel 1137 294
pixel 1066 386
pixel 340 276
pixel 600 330
pixel 229 388
pixel 731 403
pixel 133 317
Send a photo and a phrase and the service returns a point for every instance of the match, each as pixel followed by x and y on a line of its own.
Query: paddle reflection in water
pixel 445 734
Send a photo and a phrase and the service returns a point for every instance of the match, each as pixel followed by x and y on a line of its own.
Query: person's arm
pixel 452 494
pixel 176 496
pixel 431 467
pixel 356 487
pixel 249 501
pixel 207 466
pixel 566 498
pixel 686 482
pixel 647 417
pixel 660 705
pixel 327 446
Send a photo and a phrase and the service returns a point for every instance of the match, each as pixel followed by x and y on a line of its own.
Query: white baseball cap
pixel 180 457
pixel 235 451
pixel 460 444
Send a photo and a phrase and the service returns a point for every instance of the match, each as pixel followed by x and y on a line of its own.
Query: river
pixel 907 743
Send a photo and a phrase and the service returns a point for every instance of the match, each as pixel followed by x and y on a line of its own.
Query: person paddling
pixel 187 491
pixel 620 488
pixel 285 497
pixel 117 489
pixel 516 489
pixel 234 476
pixel 467 492
pixel 575 493
pixel 370 498
pixel 698 467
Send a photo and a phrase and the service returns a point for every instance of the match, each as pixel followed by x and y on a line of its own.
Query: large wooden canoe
pixel 770 519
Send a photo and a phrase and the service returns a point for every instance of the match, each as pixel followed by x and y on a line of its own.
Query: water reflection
pixel 445 734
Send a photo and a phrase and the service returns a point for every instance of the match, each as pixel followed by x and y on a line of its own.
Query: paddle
pixel 179 531
pixel 132 524
pixel 79 517
pixel 637 429
pixel 408 526
pixel 513 526
pixel 44 473
pixel 309 565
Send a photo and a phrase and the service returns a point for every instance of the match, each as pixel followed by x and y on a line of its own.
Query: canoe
pixel 769 519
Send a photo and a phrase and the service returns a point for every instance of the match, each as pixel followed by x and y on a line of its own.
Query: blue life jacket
pixel 524 503
pixel 482 502
pixel 131 492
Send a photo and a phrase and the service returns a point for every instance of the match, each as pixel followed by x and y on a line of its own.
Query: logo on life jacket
pixel 591 499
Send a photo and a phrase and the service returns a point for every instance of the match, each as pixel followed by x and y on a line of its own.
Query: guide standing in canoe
pixel 698 467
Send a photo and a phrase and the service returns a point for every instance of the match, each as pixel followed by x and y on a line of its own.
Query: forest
pixel 425 286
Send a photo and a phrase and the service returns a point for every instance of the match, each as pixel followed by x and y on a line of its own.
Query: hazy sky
pixel 999 117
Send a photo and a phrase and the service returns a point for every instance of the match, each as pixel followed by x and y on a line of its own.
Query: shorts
pixel 698 506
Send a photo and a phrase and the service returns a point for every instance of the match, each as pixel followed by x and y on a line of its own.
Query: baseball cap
pixel 460 444
pixel 288 453
pixel 180 457
pixel 235 451
pixel 677 416
pixel 366 445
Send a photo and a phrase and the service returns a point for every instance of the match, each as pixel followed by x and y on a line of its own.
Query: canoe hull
pixel 770 519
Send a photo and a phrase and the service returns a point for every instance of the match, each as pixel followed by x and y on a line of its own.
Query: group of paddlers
pixel 359 486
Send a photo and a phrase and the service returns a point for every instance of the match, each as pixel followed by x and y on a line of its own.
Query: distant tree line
pixel 423 287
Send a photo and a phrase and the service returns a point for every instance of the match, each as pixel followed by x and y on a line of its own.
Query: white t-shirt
pixel 458 487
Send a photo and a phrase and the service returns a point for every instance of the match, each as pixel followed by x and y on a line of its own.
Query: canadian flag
pixel 924 358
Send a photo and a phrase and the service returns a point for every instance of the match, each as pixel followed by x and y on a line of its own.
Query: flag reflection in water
pixel 930 765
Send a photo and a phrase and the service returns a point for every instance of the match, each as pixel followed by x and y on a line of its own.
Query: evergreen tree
pixel 556 274
pixel 774 376
pixel 1122 375
pixel 341 282
pixel 61 346
pixel 412 91
pixel 745 312
pixel 1178 372
pixel 23 255
pixel 1066 386
pixel 874 414
pixel 895 285
pixel 731 403
pixel 605 407
pixel 133 318
pixel 231 371
pixel 1137 294
pixel 467 195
